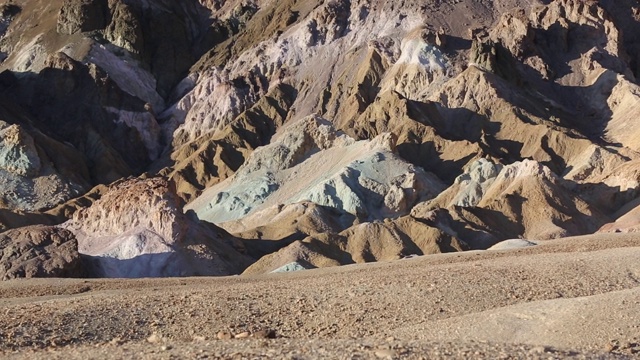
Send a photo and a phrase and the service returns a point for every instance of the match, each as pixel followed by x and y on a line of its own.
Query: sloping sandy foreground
pixel 571 297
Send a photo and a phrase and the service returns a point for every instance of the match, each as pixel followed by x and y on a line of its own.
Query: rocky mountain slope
pixel 175 139
pixel 213 137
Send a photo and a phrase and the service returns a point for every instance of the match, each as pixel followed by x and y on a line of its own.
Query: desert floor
pixel 571 297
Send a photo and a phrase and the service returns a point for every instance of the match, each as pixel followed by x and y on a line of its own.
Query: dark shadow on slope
pixel 561 106
pixel 496 223
pixel 333 250
pixel 217 154
pixel 473 237
pixel 168 36
pixel 106 267
pixel 262 134
pixel 569 107
pixel 429 158
pixel 605 198
pixel 160 265
pixel 557 164
pixel 624 15
pixel 15 219
pixel 409 247
pixel 455 45
pixel 256 26
pixel 71 105
pixel 257 248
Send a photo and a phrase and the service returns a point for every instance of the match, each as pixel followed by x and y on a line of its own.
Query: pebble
pixel 154 338
pixel 223 335
pixel 242 335
pixel 385 354
pixel 609 347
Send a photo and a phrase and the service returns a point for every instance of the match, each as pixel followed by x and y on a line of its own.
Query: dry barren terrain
pixel 452 178
pixel 571 297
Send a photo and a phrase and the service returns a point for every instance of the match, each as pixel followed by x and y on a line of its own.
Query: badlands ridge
pixel 162 138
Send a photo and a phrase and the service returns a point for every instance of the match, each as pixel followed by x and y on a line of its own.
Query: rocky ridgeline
pixel 314 133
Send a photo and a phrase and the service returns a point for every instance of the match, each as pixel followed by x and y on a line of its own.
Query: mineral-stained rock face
pixel 532 202
pixel 312 162
pixel 137 229
pixel 18 154
pixel 39 251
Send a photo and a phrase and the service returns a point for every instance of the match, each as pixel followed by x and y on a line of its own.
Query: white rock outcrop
pixel 137 229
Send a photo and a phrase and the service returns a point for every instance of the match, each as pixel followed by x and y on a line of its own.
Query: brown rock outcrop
pixel 82 15
pixel 366 242
pixel 39 251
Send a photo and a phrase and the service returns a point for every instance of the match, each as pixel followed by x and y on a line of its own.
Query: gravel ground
pixel 432 306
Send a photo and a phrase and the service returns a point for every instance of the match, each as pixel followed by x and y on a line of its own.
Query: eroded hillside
pixel 164 138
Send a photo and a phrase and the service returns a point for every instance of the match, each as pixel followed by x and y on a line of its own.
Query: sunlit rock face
pixel 138 229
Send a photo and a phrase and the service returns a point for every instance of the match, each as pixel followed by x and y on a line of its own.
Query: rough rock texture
pixel 137 229
pixel 113 129
pixel 367 242
pixel 120 58
pixel 216 155
pixel 82 15
pixel 18 154
pixel 165 35
pixel 36 171
pixel 39 251
pixel 336 72
pixel 522 199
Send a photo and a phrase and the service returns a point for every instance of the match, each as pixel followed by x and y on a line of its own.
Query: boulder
pixel 82 15
pixel 39 251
